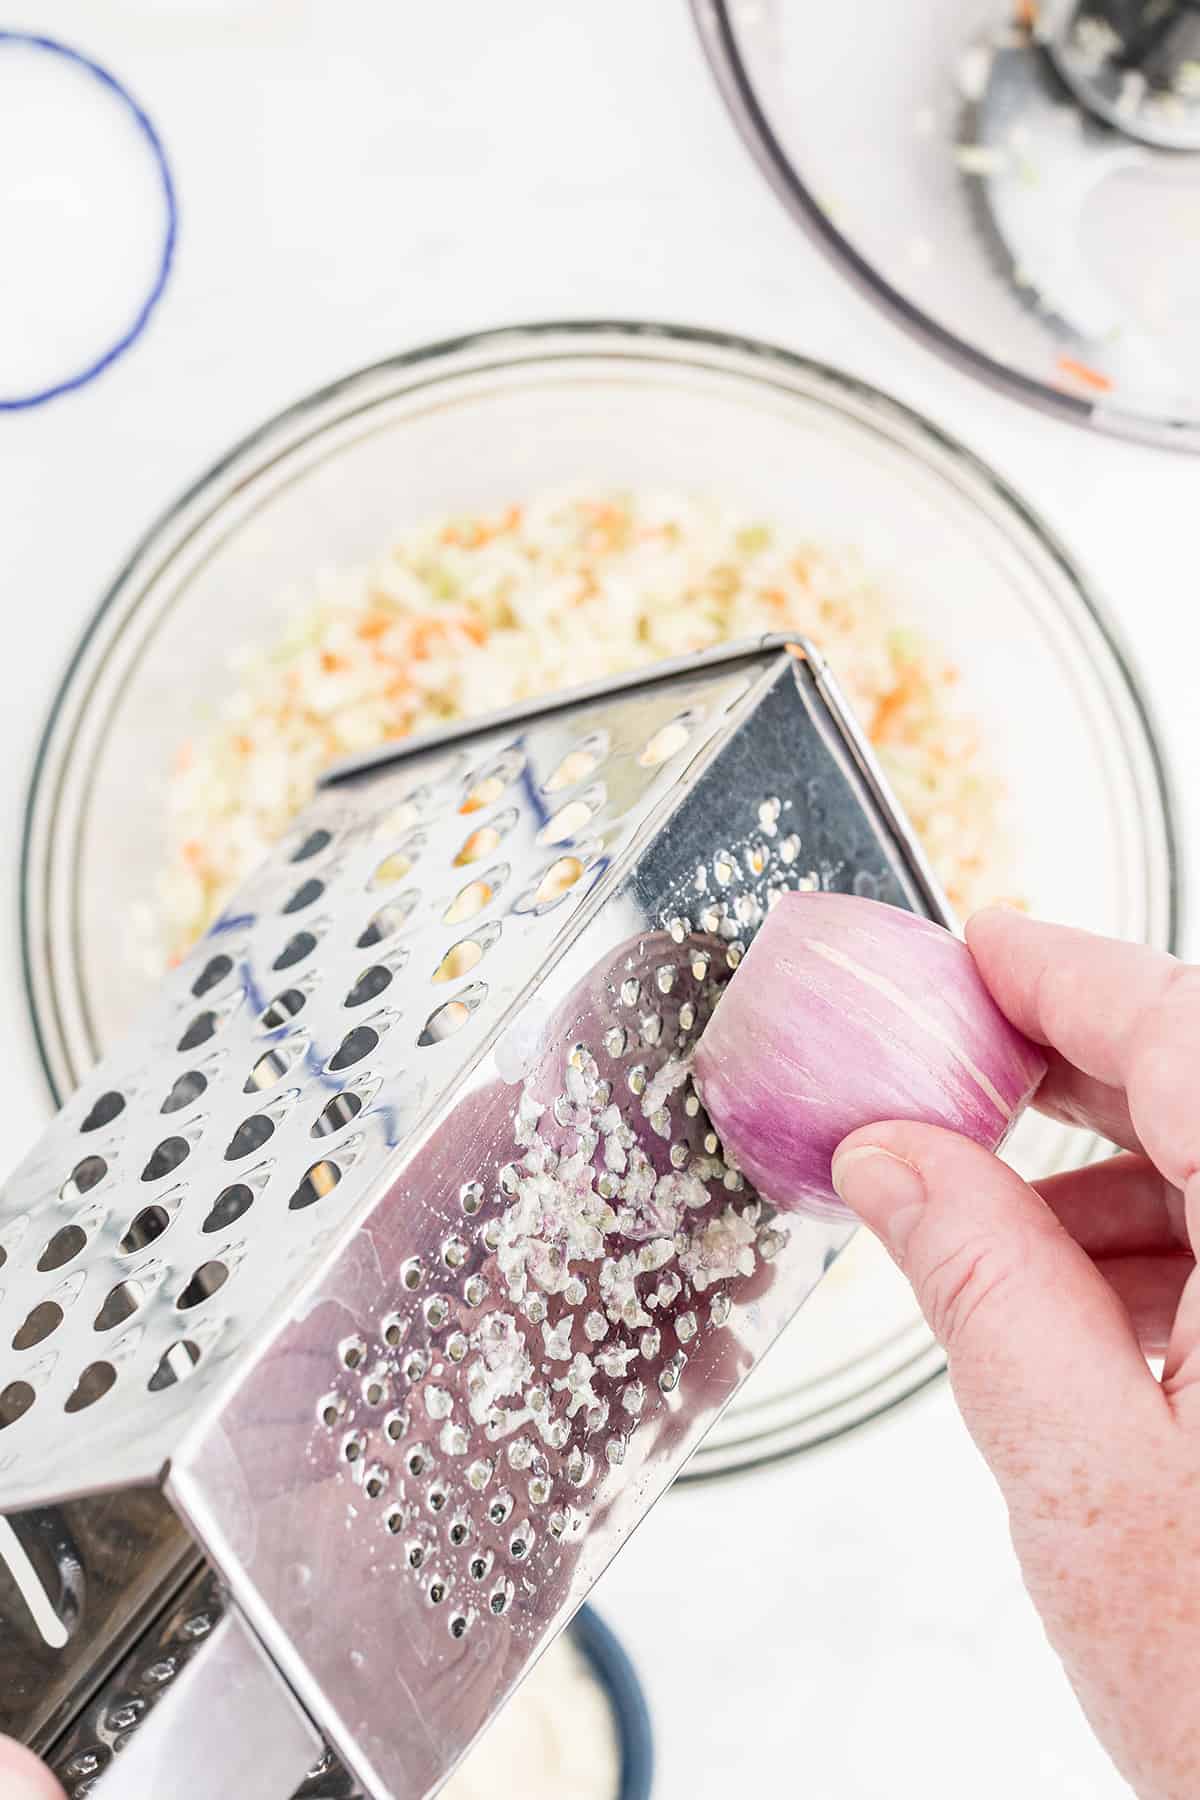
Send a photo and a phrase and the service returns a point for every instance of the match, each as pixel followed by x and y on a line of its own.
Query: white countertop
pixel 358 178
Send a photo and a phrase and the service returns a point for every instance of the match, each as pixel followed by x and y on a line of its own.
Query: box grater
pixel 361 1303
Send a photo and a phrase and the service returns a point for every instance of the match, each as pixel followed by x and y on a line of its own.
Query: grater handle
pixel 229 1726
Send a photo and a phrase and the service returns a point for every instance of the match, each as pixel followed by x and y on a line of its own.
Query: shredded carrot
pixel 1083 372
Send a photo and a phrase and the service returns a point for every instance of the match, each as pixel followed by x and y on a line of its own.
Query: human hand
pixel 1047 1303
pixel 23 1777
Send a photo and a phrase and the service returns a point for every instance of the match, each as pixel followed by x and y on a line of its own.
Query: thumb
pixel 23 1777
pixel 1043 1357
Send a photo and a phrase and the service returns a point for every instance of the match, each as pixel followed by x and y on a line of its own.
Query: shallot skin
pixel 846 1012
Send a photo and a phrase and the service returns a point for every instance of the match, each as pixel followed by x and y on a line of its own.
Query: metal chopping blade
pixel 363 1302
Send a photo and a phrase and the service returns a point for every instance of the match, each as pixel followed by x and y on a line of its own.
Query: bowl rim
pixel 614 1670
pixel 557 343
pixel 722 51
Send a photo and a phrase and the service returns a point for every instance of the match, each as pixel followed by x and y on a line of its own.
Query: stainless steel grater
pixel 360 1305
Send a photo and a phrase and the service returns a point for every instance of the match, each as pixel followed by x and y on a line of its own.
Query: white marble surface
pixel 361 177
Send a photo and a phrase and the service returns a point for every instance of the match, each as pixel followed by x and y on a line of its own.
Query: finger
pixel 1119 1207
pixel 1087 996
pixel 1072 1097
pixel 23 1777
pixel 1125 1014
pixel 1045 1363
pixel 1150 1288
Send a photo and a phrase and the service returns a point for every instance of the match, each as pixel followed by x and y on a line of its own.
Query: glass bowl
pixel 477 422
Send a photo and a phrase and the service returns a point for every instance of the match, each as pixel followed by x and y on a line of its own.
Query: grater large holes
pixel 569 820
pixel 314 843
pixel 274 1064
pixel 485 786
pixel 398 863
pixel 283 1008
pixel 208 1280
pixel 445 1020
pixel 176 1364
pixel 166 1157
pixel 229 1207
pixel 201 1029
pixel 307 894
pixel 83 1178
pixel 15 1401
pixel 388 920
pixel 483 840
pixel 577 764
pixel 144 1227
pixel 336 1113
pixel 668 741
pixel 354 1046
pixel 104 1110
pixel 63 1248
pixel 370 984
pixel 38 1324
pixel 462 957
pixel 216 970
pixel 319 1181
pixel 185 1092
pixel 302 944
pixel 121 1302
pixel 250 1136
pixel 471 900
pixel 556 883
pixel 93 1384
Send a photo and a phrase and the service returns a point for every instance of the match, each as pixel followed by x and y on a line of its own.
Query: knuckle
pixel 958 1285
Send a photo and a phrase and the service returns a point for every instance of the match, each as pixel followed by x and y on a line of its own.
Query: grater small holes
pixel 144 1227
pixel 315 1184
pixel 83 1178
pixel 353 1447
pixel 568 821
pixel 668 742
pixel 445 1020
pixel 108 1107
pixel 273 1065
pixel 63 1247
pixel 250 1136
pixel 370 984
pixel 393 1520
pixel 44 1319
pixel 208 1280
pixel 397 864
pixel 314 843
pixel 121 1302
pixel 436 1498
pixel 576 765
pixel 166 1157
pixel 475 1289
pixel 354 1046
pixel 202 1027
pixel 351 1351
pixel 501 1596
pixel 458 1625
pixel 216 970
pixel 185 1092
pixel 283 1008
pixel 437 1311
pixel 458 1532
pixel 454 1253
pixel 436 1592
pixel 416 1365
pixel 331 1409
pixel 177 1363
pixel 500 1509
pixel 374 1391
pixel 417 1460
pixel 387 921
pixel 336 1113
pixel 394 1426
pixel 412 1273
pixel 480 1567
pixel 302 944
pixel 229 1207
pixel 471 1198
pixel 393 1332
pixel 307 894
pixel 471 900
pixel 15 1401
pixel 92 1385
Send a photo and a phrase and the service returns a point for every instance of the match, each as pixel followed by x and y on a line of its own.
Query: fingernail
pixel 886 1192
